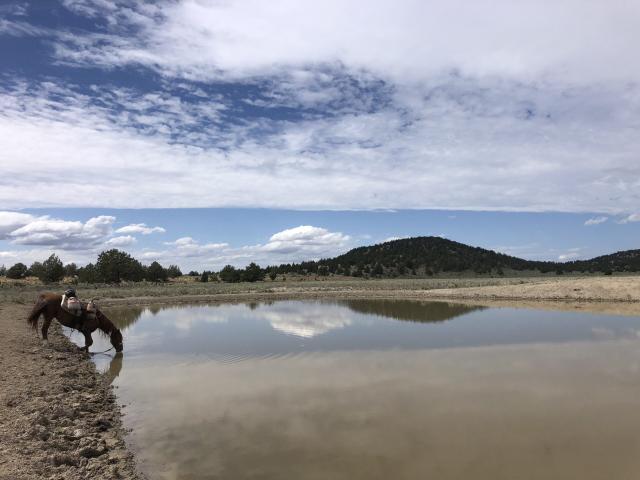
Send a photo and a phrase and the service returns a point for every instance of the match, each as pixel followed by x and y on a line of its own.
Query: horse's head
pixel 116 340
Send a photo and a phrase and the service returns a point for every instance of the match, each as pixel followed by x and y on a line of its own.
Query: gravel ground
pixel 58 417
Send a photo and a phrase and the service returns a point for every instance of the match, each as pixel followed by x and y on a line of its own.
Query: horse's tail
pixel 38 308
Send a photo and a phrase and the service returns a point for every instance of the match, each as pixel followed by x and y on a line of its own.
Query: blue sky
pixel 211 238
pixel 230 125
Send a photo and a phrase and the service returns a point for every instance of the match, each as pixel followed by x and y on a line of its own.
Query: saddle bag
pixel 91 310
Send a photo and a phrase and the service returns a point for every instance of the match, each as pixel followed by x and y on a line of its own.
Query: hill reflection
pixel 410 310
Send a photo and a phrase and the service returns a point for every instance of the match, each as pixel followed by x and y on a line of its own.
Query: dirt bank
pixel 617 295
pixel 58 417
pixel 584 289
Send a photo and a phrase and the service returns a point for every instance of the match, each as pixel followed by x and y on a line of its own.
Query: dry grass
pixel 23 291
pixel 567 287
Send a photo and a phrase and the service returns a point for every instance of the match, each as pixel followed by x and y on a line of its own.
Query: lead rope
pixel 100 353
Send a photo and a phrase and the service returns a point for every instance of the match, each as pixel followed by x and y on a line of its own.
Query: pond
pixel 378 389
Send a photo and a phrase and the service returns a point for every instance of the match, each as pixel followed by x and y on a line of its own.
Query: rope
pixel 99 353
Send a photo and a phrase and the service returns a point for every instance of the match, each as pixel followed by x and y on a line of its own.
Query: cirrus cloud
pixel 328 105
pixel 582 41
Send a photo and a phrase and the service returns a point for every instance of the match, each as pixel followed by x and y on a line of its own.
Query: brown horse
pixel 48 304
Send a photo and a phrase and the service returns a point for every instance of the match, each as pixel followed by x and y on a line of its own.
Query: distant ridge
pixel 427 256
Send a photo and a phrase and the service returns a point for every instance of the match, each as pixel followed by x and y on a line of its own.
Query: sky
pixel 210 132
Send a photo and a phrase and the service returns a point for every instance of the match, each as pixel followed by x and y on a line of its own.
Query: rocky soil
pixel 58 417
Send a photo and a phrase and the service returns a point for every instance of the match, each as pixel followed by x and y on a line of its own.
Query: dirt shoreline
pixel 618 296
pixel 58 417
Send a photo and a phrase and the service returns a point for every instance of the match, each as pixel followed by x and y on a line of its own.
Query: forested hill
pixel 425 256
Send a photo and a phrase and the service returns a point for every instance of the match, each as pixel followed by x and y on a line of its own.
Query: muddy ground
pixel 58 417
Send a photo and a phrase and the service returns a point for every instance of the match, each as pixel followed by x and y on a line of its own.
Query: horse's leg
pixel 45 328
pixel 88 341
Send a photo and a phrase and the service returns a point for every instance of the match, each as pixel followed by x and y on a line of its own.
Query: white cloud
pixel 582 41
pixel 634 217
pixel 568 256
pixel 188 247
pixel 423 152
pixel 443 90
pixel 305 238
pixel 571 254
pixel 121 241
pixel 9 221
pixel 296 244
pixel 315 321
pixel 6 255
pixel 596 221
pixel 140 228
pixel 28 256
pixel 63 234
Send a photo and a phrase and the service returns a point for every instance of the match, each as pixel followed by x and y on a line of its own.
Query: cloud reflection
pixel 314 320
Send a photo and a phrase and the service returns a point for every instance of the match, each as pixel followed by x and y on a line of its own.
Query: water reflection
pixel 342 390
pixel 115 367
pixel 413 311
pixel 278 328
pixel 288 318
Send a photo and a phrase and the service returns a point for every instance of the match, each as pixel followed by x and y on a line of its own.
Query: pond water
pixel 378 389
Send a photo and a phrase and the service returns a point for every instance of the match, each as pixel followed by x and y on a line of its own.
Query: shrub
pixel 252 273
pixel 156 273
pixel 113 266
pixel 229 274
pixel 88 274
pixel 52 270
pixel 19 270
pixel 35 270
pixel 71 270
pixel 174 271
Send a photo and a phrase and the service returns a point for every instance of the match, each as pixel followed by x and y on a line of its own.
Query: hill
pixel 426 256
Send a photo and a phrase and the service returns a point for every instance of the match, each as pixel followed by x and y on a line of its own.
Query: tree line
pixel 112 266
pixel 116 266
pixel 419 256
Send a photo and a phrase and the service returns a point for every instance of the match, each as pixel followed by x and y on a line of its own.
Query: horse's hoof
pixel 45 343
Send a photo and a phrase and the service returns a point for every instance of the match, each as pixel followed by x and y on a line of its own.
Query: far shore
pixel 600 294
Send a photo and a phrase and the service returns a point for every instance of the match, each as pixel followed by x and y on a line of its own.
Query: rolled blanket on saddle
pixel 75 307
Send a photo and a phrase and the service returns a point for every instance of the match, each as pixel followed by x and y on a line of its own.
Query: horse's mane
pixel 105 325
